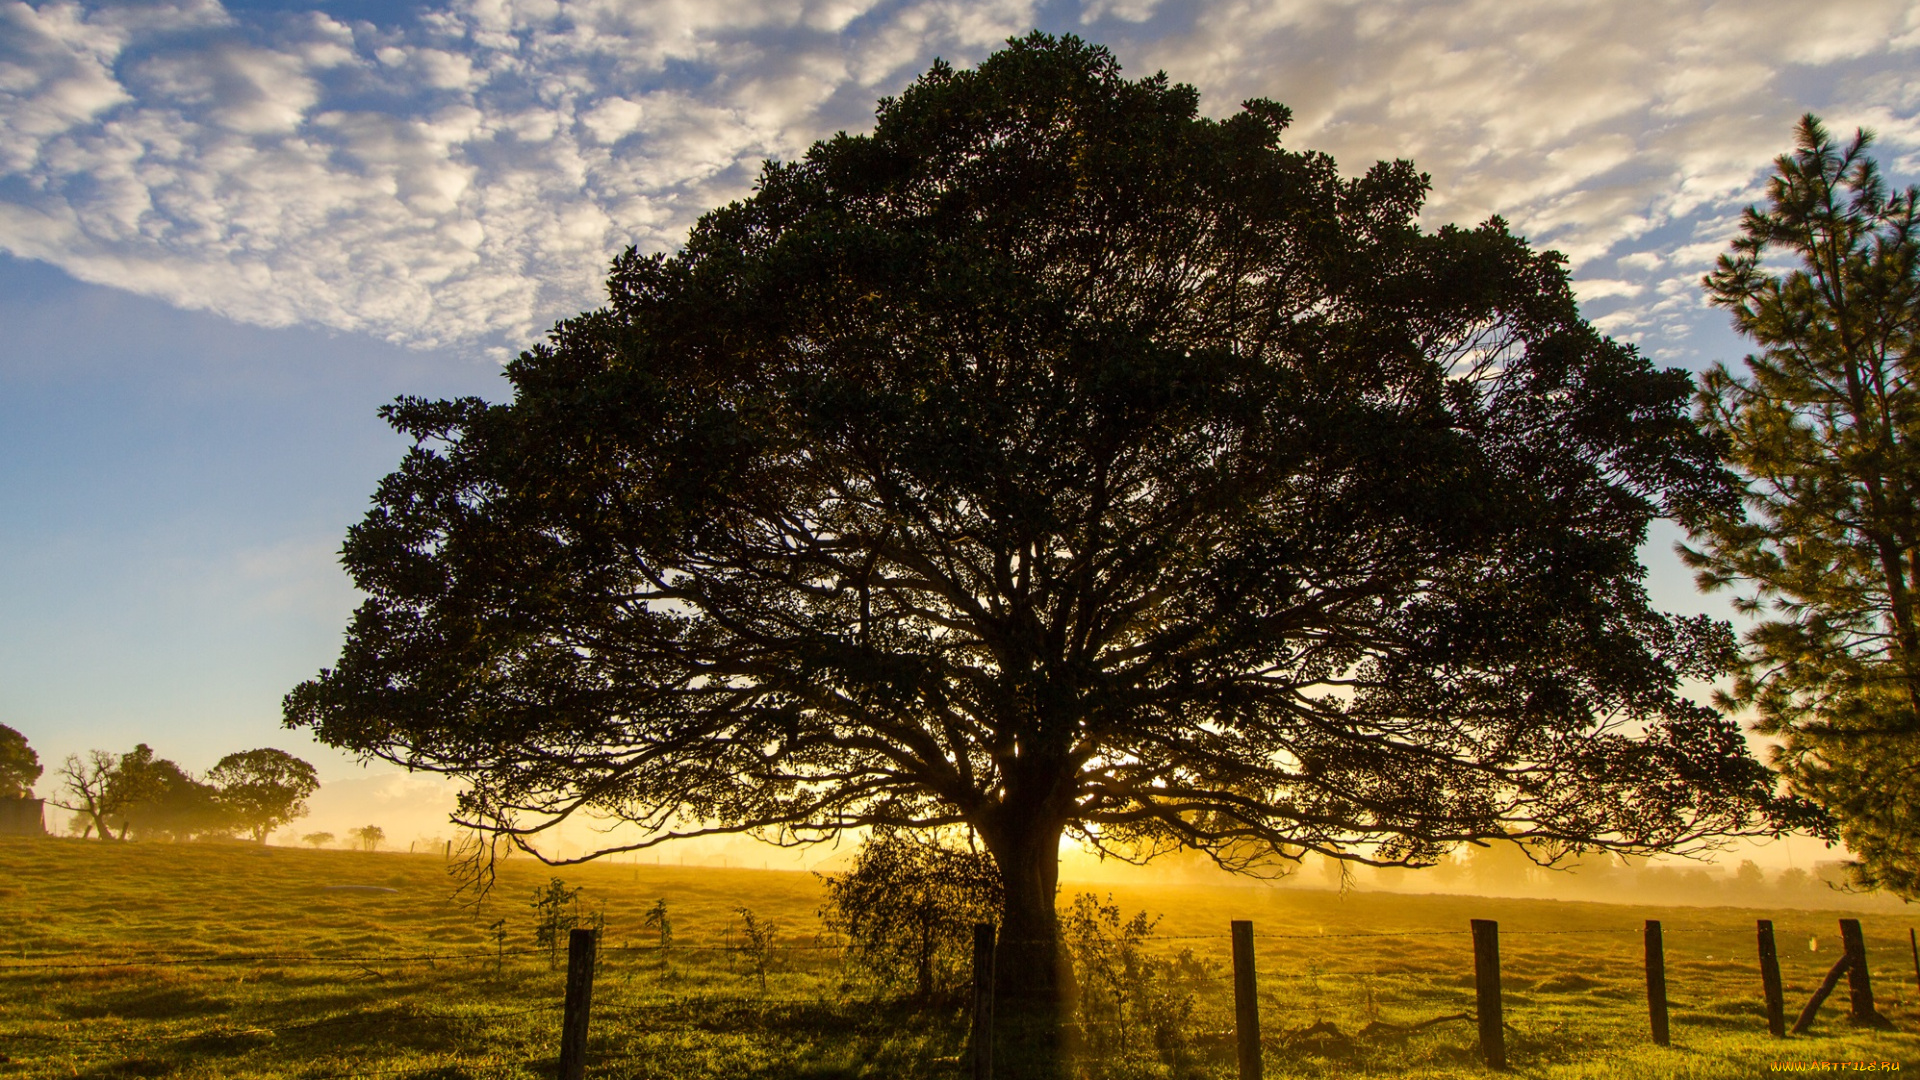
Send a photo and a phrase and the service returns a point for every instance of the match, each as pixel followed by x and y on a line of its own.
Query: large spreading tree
pixel 1823 425
pixel 1057 463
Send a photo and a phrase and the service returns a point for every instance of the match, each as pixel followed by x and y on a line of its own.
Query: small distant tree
pixel 318 839
pixel 659 921
pixel 1502 868
pixel 556 911
pixel 756 943
pixel 369 837
pixel 908 905
pixel 264 789
pixel 497 933
pixel 19 765
pixel 93 789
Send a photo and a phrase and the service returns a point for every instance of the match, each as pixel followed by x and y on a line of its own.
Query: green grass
pixel 149 960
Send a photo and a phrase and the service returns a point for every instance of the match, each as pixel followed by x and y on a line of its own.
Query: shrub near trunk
pixel 907 908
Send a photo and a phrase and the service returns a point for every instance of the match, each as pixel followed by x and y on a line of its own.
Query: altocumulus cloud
pixel 463 174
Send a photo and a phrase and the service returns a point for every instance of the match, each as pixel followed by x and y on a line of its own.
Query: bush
pixel 907 907
pixel 1133 1008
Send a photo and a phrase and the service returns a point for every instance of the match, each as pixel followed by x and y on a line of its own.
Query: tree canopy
pixel 908 904
pixel 264 789
pixel 143 795
pixel 19 765
pixel 1823 425
pixel 1056 461
pixel 154 798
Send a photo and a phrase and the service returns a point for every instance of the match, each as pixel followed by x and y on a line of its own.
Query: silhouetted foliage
pixel 556 911
pixel 157 799
pixel 84 784
pixel 1056 461
pixel 1824 426
pixel 139 794
pixel 19 765
pixel 264 789
pixel 1134 1008
pixel 756 944
pixel 368 837
pixel 908 905
pixel 660 921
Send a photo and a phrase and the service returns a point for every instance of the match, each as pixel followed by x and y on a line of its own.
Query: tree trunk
pixel 923 971
pixel 1030 970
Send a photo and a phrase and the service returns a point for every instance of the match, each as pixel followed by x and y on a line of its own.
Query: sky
pixel 229 233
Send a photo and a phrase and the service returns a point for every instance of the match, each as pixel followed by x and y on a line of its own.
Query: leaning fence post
pixel 1246 1003
pixel 1657 982
pixel 1770 982
pixel 982 1001
pixel 1819 998
pixel 581 945
pixel 1859 984
pixel 1486 983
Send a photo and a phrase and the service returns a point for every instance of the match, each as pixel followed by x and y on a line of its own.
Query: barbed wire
pixel 218 959
pixel 346 1019
pixel 468 1065
pixel 60 961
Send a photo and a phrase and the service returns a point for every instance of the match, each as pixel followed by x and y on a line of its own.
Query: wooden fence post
pixel 1246 1002
pixel 1913 942
pixel 1770 982
pixel 1859 984
pixel 982 1034
pixel 1486 982
pixel 581 945
pixel 1820 993
pixel 1657 982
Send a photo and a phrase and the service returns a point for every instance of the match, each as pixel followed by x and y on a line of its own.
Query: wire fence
pixel 1292 965
pixel 73 961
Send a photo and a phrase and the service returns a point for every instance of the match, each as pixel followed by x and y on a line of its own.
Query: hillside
pixel 231 960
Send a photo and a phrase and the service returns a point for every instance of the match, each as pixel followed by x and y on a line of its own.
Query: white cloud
pixel 1608 131
pixel 55 73
pixel 613 118
pixel 464 177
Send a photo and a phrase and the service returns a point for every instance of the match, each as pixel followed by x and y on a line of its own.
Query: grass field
pixel 149 960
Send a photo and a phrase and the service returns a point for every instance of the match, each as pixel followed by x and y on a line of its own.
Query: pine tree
pixel 1824 426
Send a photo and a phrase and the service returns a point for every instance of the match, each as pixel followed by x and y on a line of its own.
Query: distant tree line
pixel 138 795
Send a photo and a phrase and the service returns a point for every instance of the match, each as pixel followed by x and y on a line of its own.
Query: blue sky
pixel 229 233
